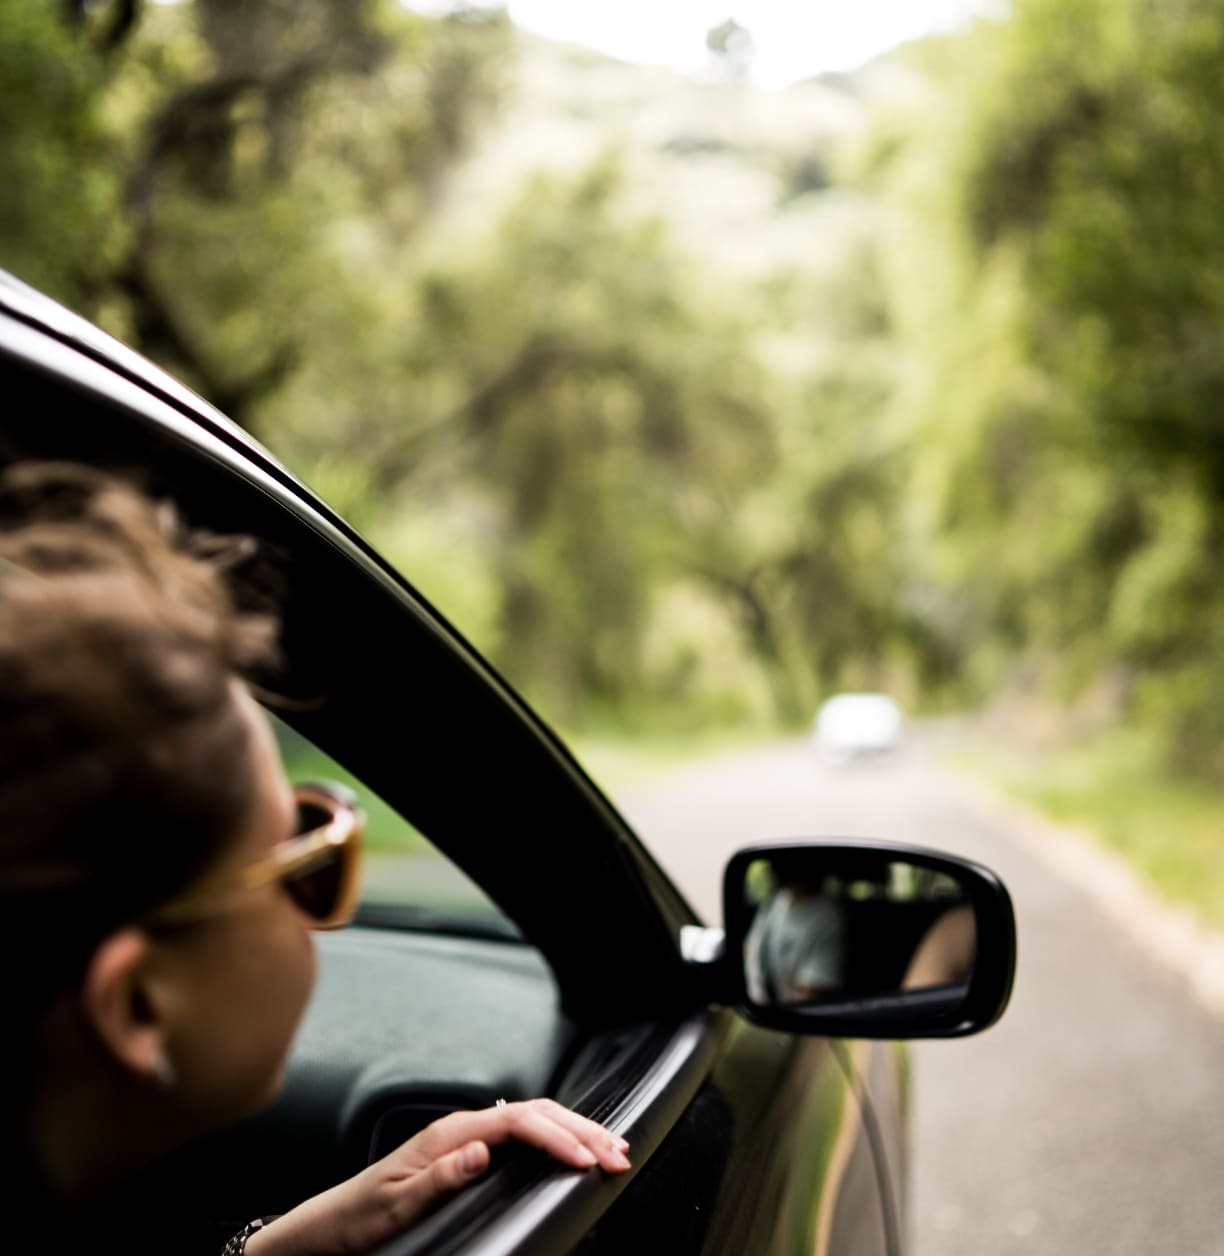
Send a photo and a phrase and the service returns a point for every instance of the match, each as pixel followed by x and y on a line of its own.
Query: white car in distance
pixel 857 725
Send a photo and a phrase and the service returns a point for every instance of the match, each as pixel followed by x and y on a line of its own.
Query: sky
pixel 792 38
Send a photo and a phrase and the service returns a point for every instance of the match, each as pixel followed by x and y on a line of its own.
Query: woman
pixel 145 812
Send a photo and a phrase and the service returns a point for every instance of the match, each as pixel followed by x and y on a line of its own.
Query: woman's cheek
pixel 296 986
pixel 289 949
pixel 277 1000
pixel 309 964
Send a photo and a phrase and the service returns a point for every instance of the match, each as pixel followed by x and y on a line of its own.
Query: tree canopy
pixel 962 439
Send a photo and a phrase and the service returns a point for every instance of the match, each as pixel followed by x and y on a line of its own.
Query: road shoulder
pixel 1170 934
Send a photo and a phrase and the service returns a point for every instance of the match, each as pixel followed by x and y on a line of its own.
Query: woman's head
pixel 133 765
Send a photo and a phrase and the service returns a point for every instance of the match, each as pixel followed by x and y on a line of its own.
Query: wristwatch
pixel 237 1245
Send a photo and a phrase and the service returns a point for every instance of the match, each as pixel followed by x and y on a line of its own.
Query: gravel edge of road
pixel 1169 933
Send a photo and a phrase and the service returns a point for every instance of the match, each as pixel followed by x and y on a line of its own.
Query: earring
pixel 164 1071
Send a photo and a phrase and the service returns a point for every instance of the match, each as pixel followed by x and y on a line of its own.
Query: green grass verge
pixel 622 762
pixel 1170 830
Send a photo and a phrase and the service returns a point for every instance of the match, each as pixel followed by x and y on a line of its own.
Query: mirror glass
pixel 875 931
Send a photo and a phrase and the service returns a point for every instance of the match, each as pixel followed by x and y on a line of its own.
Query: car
pixel 517 938
pixel 852 726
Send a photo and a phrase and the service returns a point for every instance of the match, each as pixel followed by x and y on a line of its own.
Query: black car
pixel 535 947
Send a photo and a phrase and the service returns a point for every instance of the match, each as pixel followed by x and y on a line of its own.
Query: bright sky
pixel 792 38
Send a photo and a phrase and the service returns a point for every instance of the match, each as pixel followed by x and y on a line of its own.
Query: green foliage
pixel 1071 473
pixel 639 486
pixel 270 164
pixel 961 438
pixel 57 211
pixel 1112 185
pixel 568 371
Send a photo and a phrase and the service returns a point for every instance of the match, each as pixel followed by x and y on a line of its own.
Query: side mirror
pixel 865 940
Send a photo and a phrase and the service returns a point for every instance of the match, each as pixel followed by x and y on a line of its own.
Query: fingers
pixel 564 1135
pixel 589 1134
pixel 398 1190
pixel 401 1201
pixel 541 1123
pixel 458 1169
pixel 451 1153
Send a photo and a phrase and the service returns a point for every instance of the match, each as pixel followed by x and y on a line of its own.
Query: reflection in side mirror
pixel 798 950
pixel 868 940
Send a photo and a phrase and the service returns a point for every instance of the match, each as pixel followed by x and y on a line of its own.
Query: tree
pixel 574 390
pixel 733 48
pixel 1074 473
pixel 60 192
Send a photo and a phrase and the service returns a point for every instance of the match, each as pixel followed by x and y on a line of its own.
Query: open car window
pixel 406 881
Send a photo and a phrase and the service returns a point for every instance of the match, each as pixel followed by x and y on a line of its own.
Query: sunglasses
pixel 319 867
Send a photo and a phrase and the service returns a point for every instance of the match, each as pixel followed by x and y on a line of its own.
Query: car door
pixel 743 1139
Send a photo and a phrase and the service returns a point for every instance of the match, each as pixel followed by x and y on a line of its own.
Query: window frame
pixel 356 634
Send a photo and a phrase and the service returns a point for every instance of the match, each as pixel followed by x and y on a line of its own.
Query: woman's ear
pixel 119 1005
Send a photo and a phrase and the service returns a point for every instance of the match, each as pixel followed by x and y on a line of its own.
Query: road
pixel 1088 1121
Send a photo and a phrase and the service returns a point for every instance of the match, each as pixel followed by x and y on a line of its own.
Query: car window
pixel 406 879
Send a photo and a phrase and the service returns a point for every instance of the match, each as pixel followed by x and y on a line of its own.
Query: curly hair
pixel 124 758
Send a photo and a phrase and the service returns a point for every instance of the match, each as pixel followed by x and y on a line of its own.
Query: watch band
pixel 237 1245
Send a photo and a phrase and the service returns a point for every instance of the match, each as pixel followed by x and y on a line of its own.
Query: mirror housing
pixel 862 939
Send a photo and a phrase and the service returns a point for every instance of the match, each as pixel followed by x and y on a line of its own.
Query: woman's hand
pixel 401 1188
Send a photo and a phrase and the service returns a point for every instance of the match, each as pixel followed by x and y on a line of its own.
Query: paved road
pixel 1091 1119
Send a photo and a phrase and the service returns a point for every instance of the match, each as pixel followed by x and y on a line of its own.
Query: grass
pixel 1170 830
pixel 621 762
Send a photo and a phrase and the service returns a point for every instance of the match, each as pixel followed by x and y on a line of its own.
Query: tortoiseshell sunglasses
pixel 319 867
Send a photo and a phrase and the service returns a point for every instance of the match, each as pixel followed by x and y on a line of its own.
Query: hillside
pixel 746 176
